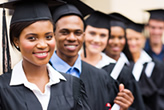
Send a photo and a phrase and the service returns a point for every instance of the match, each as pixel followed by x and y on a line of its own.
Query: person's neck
pixel 70 60
pixel 37 75
pixel 156 47
pixel 34 71
pixel 136 56
pixel 91 58
pixel 115 57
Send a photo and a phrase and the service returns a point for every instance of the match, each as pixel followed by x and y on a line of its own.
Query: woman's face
pixel 96 39
pixel 37 43
pixel 116 42
pixel 135 41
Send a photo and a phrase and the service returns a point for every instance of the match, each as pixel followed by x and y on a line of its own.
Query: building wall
pixel 133 9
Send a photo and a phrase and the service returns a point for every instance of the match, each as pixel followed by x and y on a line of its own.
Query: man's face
pixel 69 35
pixel 156 29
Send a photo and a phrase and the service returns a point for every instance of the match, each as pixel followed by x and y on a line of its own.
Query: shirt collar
pixel 18 73
pixel 125 59
pixel 62 66
pixel 104 61
pixel 144 57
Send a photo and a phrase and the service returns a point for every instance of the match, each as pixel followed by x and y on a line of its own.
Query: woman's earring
pixel 18 47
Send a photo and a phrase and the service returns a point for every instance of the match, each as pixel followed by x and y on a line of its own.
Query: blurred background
pixel 133 9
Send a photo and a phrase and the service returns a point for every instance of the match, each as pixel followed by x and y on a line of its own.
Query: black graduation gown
pixel 125 77
pixel 158 78
pixel 153 88
pixel 64 95
pixel 100 88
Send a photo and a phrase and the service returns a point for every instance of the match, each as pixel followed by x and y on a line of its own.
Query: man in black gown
pixel 100 88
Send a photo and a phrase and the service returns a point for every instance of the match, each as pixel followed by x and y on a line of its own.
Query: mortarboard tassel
pixel 84 46
pixel 6 60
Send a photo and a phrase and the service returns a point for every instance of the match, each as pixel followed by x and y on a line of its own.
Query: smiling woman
pixel 96 37
pixel 33 83
pixel 40 42
pixel 116 42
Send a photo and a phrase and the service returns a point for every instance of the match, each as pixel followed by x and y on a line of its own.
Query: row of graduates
pixel 34 84
pixel 114 43
pixel 124 43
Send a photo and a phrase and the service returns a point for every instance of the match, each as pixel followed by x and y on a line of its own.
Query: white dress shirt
pixel 18 77
pixel 138 66
pixel 104 61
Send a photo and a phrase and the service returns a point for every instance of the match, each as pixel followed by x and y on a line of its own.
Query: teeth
pixel 71 46
pixel 41 54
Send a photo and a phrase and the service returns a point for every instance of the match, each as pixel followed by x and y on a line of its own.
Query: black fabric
pixel 99 20
pixel 136 26
pixel 120 20
pixel 30 10
pixel 158 78
pixel 151 86
pixel 128 22
pixel 125 77
pixel 118 23
pixel 79 93
pixel 149 92
pixel 65 10
pixel 21 98
pixel 82 7
pixel 157 14
pixel 73 7
pixel 11 4
pixel 100 88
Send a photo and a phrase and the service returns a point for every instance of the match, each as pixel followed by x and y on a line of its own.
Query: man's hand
pixel 124 98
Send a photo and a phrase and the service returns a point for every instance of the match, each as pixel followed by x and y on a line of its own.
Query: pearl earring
pixel 17 46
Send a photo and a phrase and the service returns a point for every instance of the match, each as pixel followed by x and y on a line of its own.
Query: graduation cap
pixel 24 10
pixel 119 20
pixel 98 19
pixel 82 7
pixel 72 7
pixel 30 10
pixel 157 14
pixel 136 26
pixel 65 10
pixel 126 22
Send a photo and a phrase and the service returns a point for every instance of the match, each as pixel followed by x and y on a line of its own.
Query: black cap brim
pixel 30 10
pixel 71 7
pixel 157 14
pixel 119 20
pixel 99 19
pixel 12 4
pixel 136 26
pixel 82 7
